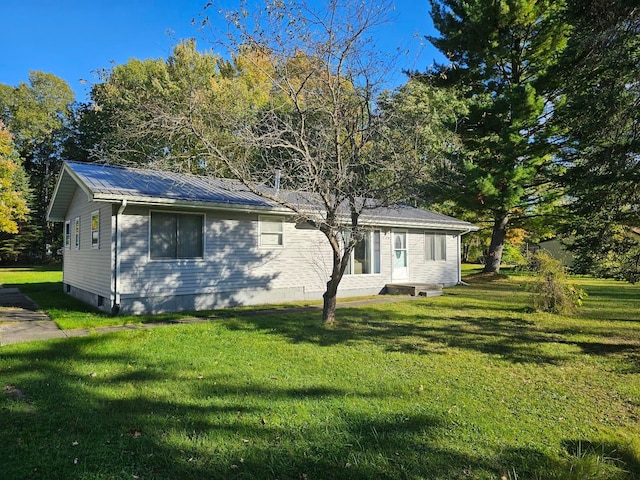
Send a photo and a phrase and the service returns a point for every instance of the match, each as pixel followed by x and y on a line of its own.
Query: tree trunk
pixel 494 256
pixel 329 305
pixel 340 260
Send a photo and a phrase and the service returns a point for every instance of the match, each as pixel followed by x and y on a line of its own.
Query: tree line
pixel 529 128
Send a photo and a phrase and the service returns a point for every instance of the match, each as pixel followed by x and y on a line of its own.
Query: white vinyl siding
pixel 235 270
pixel 90 270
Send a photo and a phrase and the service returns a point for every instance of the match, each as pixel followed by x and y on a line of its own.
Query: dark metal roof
pixel 114 184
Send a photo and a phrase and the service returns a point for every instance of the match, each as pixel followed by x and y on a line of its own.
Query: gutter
pixel 462 227
pixel 116 277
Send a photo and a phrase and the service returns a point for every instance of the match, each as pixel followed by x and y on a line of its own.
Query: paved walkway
pixel 21 320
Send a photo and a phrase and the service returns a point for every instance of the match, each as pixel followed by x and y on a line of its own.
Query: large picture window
pixel 176 235
pixel 435 246
pixel 365 256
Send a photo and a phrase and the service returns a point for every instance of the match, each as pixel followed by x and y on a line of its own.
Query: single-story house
pixel 143 241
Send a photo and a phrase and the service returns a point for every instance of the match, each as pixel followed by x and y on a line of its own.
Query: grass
pixel 44 285
pixel 470 385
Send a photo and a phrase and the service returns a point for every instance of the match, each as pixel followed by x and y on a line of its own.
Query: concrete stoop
pixel 414 289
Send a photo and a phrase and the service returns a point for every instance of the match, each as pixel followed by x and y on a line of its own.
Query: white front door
pixel 400 258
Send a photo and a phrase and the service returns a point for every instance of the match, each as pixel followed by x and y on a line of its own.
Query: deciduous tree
pixel 297 95
pixel 13 185
pixel 37 114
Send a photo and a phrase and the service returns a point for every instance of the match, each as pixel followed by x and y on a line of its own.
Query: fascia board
pixel 66 170
pixel 160 202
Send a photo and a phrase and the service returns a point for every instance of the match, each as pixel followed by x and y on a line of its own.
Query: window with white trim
pixel 365 256
pixel 67 234
pixel 435 247
pixel 271 231
pixel 76 233
pixel 176 235
pixel 95 229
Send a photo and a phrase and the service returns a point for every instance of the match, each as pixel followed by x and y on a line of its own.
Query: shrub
pixel 550 289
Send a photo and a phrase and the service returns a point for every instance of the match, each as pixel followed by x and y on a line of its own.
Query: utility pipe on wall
pixel 116 278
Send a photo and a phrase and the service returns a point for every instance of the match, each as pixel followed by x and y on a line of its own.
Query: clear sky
pixel 73 39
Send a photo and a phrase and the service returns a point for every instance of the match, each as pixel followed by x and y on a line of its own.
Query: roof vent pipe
pixel 276 183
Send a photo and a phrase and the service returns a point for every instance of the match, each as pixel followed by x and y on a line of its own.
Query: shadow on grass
pixel 511 338
pixel 49 296
pixel 130 425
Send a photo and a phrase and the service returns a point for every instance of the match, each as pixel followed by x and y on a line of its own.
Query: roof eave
pixel 65 173
pixel 453 227
pixel 188 204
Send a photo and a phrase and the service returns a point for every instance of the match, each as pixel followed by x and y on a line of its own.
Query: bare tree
pixel 319 126
pixel 297 97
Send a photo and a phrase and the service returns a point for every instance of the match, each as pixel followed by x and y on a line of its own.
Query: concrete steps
pixel 414 289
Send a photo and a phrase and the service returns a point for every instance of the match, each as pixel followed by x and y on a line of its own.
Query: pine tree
pixel 498 52
pixel 598 122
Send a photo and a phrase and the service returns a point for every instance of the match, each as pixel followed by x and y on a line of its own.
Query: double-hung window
pixel 95 229
pixel 435 246
pixel 271 231
pixel 176 235
pixel 365 256
pixel 76 232
pixel 67 234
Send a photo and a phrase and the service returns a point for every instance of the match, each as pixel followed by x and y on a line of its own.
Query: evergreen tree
pixel 598 127
pixel 498 53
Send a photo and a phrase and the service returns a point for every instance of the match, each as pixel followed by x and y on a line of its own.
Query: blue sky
pixel 73 39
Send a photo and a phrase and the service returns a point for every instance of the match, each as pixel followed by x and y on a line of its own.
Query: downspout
pixel 460 282
pixel 116 277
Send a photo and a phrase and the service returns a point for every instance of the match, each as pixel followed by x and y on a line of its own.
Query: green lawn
pixel 465 386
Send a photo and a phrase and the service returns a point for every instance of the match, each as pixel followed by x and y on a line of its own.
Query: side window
pixel 435 247
pixel 365 257
pixel 271 231
pixel 76 233
pixel 67 234
pixel 95 229
pixel 176 235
